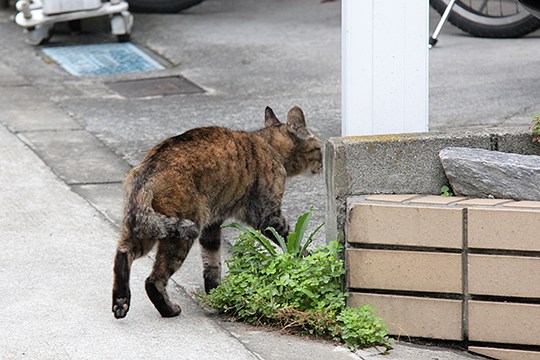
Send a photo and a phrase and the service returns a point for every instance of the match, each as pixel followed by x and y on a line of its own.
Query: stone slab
pixel 28 110
pixel 106 198
pixel 484 173
pixel 77 156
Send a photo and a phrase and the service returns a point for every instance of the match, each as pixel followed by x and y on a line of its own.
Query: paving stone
pixel 77 156
pixel 28 110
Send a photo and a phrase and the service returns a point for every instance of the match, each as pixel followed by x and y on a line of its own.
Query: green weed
pixel 445 191
pixel 293 289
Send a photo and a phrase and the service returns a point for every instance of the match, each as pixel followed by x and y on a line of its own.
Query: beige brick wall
pixel 421 260
pixel 415 316
pixel 405 270
pixel 500 275
pixel 504 322
pixel 506 354
pixel 504 228
pixel 405 225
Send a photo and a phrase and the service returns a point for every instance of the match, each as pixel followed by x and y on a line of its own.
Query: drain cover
pixel 101 59
pixel 170 85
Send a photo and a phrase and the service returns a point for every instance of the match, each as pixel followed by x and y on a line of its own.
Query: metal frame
pixel 37 24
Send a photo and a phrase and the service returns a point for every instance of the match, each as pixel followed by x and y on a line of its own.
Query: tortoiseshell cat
pixel 189 184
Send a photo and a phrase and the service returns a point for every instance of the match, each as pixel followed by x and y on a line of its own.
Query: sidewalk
pixel 56 264
pixel 57 269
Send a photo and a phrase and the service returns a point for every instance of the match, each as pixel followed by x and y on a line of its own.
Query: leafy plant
pixel 293 244
pixel 445 191
pixel 535 127
pixel 296 291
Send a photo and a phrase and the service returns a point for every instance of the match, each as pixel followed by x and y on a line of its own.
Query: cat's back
pixel 210 152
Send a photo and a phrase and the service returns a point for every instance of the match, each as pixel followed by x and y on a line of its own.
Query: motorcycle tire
pixel 161 6
pixel 481 25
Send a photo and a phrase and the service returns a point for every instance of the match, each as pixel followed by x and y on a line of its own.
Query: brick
pixel 524 204
pixel 509 323
pixel 504 275
pixel 496 228
pixel 415 316
pixel 405 270
pixel 484 202
pixel 406 225
pixel 437 200
pixel 505 354
pixel 394 198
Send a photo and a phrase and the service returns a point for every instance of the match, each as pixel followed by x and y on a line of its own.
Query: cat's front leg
pixel 277 221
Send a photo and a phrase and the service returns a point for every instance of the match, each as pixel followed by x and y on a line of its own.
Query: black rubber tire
pixel 516 25
pixel 161 6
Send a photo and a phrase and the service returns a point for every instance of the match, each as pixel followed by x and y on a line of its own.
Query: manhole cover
pixel 102 59
pixel 154 87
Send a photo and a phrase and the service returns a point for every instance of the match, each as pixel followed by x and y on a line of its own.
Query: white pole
pixel 384 66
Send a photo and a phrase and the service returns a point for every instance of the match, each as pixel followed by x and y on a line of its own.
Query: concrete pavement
pixel 56 266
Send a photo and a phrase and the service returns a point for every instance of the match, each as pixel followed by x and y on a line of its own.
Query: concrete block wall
pixel 401 164
pixel 449 268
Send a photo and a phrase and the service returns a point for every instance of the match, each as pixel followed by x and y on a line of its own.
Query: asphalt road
pixel 249 54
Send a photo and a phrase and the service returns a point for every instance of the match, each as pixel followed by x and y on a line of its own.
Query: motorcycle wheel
pixel 489 18
pixel 161 6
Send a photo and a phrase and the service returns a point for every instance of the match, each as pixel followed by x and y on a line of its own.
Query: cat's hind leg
pixel 171 253
pixel 210 241
pixel 127 251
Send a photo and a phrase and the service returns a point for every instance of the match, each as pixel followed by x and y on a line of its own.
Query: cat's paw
pixel 211 283
pixel 120 307
pixel 161 301
pixel 170 311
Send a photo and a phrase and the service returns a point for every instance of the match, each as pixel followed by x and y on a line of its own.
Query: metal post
pixel 384 66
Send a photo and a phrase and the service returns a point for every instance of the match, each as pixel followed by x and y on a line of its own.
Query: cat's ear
pixel 270 118
pixel 296 123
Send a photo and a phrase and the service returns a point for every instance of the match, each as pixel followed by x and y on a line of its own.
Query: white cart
pixel 38 16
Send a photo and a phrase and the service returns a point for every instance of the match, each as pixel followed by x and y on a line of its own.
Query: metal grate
pixel 102 59
pixel 155 87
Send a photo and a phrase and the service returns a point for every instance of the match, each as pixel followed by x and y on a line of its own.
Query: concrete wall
pixel 401 164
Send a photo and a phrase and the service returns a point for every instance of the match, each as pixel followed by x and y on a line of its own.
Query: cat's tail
pixel 144 224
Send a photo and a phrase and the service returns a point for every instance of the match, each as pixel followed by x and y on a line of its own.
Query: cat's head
pixel 305 156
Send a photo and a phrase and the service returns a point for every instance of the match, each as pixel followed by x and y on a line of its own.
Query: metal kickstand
pixel 433 39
